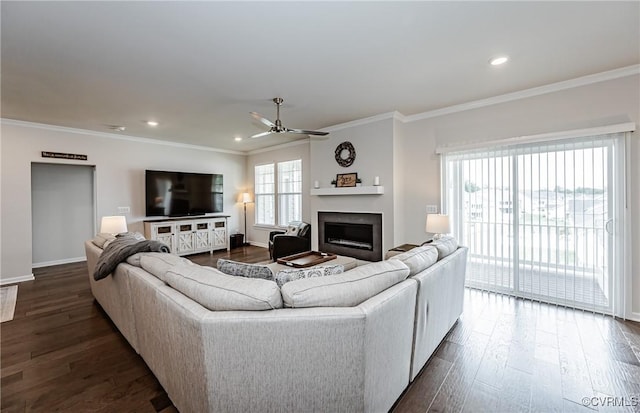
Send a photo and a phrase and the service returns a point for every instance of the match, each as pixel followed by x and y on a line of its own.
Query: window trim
pixel 276 195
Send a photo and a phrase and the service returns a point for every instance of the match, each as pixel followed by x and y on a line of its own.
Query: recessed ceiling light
pixel 497 61
pixel 117 128
pixel 237 139
pixel 152 123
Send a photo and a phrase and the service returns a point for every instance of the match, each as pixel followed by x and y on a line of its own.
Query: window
pixel 265 189
pixel 539 219
pixel 283 200
pixel 289 191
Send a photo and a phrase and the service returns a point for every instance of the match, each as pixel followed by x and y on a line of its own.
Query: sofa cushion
pixel 285 276
pixel 445 245
pixel 221 292
pixel 102 238
pixel 418 259
pixel 347 289
pixel 244 270
pixel 157 263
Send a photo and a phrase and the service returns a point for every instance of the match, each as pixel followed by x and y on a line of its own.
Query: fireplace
pixel 357 235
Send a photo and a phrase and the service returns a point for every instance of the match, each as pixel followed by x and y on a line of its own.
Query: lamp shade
pixel 246 198
pixel 113 225
pixel 438 224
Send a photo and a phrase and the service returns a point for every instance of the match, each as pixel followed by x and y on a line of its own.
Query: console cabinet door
pixel 203 236
pixel 220 234
pixel 186 237
pixel 163 233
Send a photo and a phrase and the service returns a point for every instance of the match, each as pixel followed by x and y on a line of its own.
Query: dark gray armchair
pixel 296 239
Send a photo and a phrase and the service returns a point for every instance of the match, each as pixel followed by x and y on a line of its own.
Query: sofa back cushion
pixel 445 246
pixel 418 259
pixel 157 263
pixel 221 292
pixel 348 289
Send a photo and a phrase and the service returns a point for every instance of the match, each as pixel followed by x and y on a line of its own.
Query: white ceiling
pixel 198 68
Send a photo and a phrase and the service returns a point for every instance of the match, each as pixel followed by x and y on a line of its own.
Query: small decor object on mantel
pixel 346 180
pixel 345 154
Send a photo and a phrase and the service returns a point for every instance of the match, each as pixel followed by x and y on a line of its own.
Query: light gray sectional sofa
pixel 342 343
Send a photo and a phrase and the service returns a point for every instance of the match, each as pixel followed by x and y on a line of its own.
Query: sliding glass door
pixel 538 219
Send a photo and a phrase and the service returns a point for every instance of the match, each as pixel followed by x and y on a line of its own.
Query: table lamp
pixel 438 225
pixel 113 225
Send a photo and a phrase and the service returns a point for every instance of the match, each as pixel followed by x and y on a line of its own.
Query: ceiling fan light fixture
pixel 498 60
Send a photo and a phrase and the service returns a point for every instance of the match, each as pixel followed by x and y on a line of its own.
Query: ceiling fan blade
pixel 307 132
pixel 260 135
pixel 262 119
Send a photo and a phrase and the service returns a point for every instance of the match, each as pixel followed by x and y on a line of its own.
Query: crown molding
pixel 359 122
pixel 107 135
pixel 522 94
pixel 280 146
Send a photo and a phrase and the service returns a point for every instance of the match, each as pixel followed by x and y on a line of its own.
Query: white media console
pixel 189 235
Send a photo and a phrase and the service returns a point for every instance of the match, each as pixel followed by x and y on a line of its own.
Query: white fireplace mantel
pixel 356 190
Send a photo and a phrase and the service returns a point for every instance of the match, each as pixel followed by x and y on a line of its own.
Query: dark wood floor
pixel 61 353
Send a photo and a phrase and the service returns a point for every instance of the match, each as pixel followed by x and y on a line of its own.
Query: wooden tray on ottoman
pixel 306 259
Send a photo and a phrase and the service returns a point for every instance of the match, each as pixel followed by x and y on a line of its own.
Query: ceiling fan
pixel 276 127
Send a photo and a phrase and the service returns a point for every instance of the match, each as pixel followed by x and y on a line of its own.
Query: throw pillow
pixel 101 239
pixel 292 230
pixel 284 276
pixel 244 270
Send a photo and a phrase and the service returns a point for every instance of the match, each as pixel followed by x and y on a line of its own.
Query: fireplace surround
pixel 354 234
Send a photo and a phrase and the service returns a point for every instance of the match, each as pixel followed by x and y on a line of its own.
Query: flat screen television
pixel 182 193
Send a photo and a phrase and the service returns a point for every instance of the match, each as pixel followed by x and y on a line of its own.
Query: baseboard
pixel 258 244
pixel 14 280
pixel 57 262
pixel 634 317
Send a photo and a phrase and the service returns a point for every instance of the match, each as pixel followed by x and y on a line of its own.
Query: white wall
pixel 598 104
pixel 373 142
pixel 120 166
pixel 404 183
pixel 259 235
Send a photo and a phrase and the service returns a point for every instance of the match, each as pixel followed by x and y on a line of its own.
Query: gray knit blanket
pixel 122 248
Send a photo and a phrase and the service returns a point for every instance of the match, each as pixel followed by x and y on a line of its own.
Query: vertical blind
pixel 538 218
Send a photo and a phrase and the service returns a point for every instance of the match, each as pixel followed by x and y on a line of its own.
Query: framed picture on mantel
pixel 346 180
